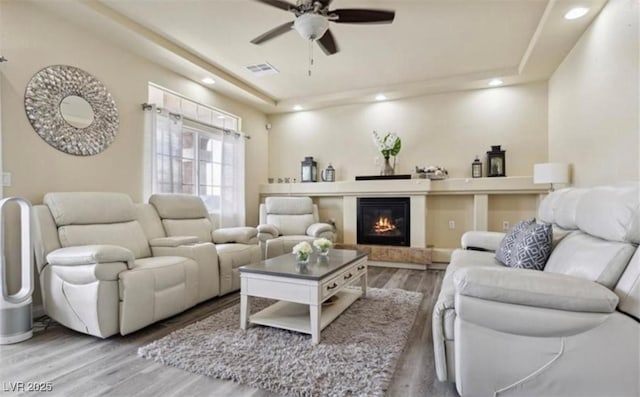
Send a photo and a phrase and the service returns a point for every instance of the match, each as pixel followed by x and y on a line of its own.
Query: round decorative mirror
pixel 76 111
pixel 71 110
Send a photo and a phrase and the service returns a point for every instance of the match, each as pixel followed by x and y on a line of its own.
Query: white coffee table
pixel 301 290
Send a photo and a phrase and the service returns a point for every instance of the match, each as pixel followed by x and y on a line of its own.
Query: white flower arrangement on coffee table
pixel 302 251
pixel 323 246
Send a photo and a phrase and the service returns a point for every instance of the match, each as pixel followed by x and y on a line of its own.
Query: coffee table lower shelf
pixel 295 316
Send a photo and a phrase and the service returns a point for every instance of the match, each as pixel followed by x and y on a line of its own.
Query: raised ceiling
pixel 432 46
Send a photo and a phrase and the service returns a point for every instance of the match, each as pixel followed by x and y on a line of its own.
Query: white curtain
pixel 232 210
pixel 165 159
pixel 163 144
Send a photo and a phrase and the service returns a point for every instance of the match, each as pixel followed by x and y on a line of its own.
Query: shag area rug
pixel 357 354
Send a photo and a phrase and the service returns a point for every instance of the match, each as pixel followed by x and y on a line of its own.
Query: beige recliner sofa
pixel 107 266
pixel 286 221
pixel 183 214
pixel 570 330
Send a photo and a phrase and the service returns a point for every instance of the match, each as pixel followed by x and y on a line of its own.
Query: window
pixel 196 151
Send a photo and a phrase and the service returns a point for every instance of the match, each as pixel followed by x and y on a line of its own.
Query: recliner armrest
pixel 90 255
pixel 175 241
pixel 317 229
pixel 487 241
pixel 535 288
pixel 242 235
pixel 267 232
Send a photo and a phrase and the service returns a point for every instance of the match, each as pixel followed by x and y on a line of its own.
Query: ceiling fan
pixel 312 19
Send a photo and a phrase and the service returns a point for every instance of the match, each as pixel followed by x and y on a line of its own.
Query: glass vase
pixel 323 252
pixel 302 258
pixel 386 169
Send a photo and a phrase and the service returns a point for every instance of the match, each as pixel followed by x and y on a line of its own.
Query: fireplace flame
pixel 384 225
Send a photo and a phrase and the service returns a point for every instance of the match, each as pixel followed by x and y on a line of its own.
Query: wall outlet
pixel 505 225
pixel 6 179
pixel 452 224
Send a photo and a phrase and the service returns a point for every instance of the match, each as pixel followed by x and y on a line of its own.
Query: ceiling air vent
pixel 262 69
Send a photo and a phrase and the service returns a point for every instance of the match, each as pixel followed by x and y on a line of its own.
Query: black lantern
pixel 496 164
pixel 309 170
pixel 476 168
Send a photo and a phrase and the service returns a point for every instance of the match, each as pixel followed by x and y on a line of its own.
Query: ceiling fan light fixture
pixel 576 13
pixel 311 26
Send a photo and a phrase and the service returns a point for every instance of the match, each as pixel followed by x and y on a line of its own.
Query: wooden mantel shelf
pixel 501 185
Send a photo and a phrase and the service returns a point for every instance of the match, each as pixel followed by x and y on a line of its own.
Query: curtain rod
pixel 148 106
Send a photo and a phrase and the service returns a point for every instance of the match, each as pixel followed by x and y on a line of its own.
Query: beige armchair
pixel 186 215
pixel 286 221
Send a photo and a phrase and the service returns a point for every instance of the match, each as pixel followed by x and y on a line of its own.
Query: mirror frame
pixel 43 96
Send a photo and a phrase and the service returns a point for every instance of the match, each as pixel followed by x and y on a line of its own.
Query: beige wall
pixel 593 100
pixel 446 129
pixel 32 39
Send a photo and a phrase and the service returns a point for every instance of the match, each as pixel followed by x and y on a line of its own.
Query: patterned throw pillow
pixel 532 247
pixel 503 253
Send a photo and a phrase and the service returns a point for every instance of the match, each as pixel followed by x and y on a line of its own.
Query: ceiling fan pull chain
pixel 310 56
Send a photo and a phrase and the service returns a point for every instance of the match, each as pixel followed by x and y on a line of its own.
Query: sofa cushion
pixel 565 208
pixel 284 244
pixel 548 206
pixel 503 253
pixel 201 228
pixel 611 213
pixel 127 234
pixel 291 224
pixel 531 247
pixel 179 206
pixel 591 258
pixel 87 208
pixel 149 220
pixel 288 205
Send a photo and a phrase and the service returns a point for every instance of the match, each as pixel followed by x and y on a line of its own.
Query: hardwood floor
pixel 81 365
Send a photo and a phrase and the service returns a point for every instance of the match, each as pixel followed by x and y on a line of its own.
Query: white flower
pixel 322 244
pixel 302 248
pixel 389 145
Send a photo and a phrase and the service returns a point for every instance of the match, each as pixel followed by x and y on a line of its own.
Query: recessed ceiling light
pixel 576 13
pixel 495 83
pixel 208 80
pixel 297 107
pixel 380 97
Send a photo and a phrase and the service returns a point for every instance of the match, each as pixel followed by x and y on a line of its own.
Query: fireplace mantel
pixel 501 185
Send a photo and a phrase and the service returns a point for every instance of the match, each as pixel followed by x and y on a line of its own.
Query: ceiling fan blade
pixel 328 44
pixel 283 5
pixel 354 15
pixel 273 33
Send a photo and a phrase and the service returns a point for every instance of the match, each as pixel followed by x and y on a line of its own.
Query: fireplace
pixel 384 221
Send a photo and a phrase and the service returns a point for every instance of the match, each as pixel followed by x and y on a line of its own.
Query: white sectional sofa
pixel 570 330
pixel 110 266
